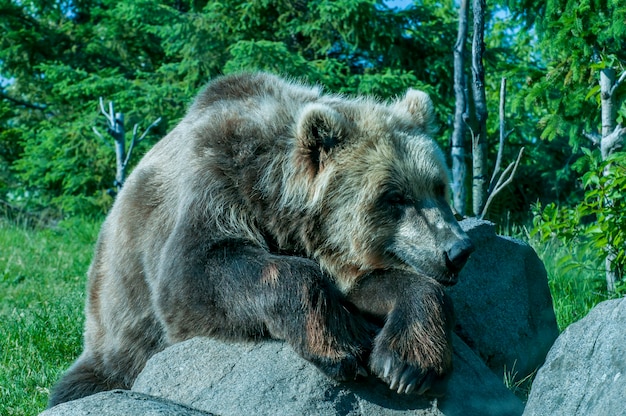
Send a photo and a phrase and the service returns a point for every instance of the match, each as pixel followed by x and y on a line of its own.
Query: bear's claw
pixel 402 377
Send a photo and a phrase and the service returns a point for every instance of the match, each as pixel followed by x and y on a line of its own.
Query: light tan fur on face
pixel 388 150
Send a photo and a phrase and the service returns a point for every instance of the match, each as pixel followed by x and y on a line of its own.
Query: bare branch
pixel 503 135
pixel 616 85
pixel 154 124
pixel 130 148
pixel 95 130
pixel 471 131
pixel 136 140
pixel 595 138
pixel 110 117
pixel 117 131
pixel 102 110
pixel 613 141
pixel 511 170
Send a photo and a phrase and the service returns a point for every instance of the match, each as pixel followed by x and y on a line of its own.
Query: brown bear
pixel 273 210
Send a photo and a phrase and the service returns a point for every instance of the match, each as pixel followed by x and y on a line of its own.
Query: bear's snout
pixel 457 254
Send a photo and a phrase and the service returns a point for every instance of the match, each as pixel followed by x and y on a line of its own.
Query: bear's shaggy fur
pixel 272 210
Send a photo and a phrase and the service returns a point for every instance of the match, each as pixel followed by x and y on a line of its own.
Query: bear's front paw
pixel 410 364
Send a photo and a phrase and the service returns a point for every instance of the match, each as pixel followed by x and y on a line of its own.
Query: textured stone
pixel 503 303
pixel 122 403
pixel 271 379
pixel 585 371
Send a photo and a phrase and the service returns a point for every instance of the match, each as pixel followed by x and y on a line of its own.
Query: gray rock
pixel 122 403
pixel 585 371
pixel 269 378
pixel 503 303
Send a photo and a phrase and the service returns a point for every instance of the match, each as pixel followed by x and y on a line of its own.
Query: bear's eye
pixel 395 198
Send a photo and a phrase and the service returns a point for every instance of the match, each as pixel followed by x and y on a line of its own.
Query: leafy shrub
pixel 599 221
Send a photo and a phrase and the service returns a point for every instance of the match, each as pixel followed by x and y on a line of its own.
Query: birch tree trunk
pixel 612 139
pixel 457 151
pixel 479 136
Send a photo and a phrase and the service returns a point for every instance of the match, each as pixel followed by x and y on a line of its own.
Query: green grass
pixel 576 279
pixel 42 290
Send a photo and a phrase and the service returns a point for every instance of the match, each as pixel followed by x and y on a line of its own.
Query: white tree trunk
pixel 479 139
pixel 612 139
pixel 457 151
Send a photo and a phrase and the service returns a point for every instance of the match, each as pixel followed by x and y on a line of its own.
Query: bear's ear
pixel 320 129
pixel 420 107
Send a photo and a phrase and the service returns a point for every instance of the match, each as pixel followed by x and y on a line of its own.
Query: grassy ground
pixel 576 280
pixel 42 290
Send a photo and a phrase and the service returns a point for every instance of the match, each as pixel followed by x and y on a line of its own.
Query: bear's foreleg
pixel 413 351
pixel 233 290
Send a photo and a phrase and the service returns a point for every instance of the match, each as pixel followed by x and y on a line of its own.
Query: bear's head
pixel 379 187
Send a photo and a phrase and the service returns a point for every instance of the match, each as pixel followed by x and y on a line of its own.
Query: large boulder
pixel 205 376
pixel 585 371
pixel 271 379
pixel 503 303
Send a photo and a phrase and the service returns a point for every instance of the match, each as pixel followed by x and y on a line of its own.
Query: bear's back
pixel 248 87
pixel 235 129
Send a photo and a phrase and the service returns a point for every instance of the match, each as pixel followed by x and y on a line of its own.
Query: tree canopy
pixel 57 58
pixel 150 57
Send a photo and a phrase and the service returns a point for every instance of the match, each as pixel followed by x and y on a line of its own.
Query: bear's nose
pixel 457 254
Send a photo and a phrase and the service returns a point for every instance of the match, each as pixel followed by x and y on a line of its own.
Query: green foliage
pixel 559 48
pixel 266 56
pixel 576 40
pixel 152 57
pixel 57 58
pixel 10 149
pixel 598 223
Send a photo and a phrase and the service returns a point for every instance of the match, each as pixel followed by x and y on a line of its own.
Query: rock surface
pixel 503 303
pixel 203 376
pixel 585 371
pixel 271 379
pixel 122 402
